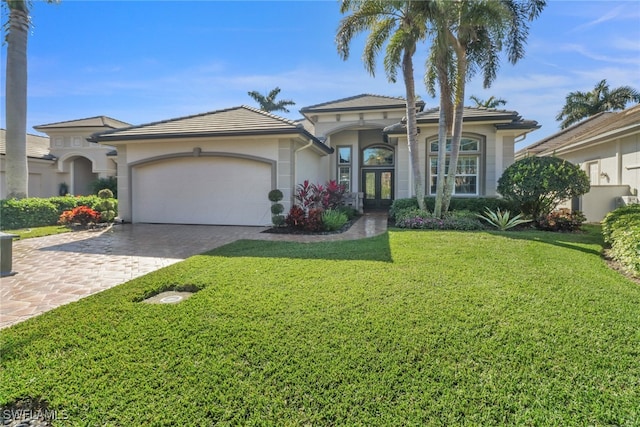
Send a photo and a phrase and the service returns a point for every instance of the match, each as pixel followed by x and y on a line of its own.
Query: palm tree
pixel 16 97
pixel 580 105
pixel 492 102
pixel 268 103
pixel 469 35
pixel 400 25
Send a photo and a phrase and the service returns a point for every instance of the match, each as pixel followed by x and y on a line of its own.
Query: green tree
pixel 580 105
pixel 539 184
pixel 398 27
pixel 16 37
pixel 468 36
pixel 492 102
pixel 268 102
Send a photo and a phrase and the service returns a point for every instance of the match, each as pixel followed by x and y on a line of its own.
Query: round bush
pixel 277 208
pixel 275 195
pixel 539 184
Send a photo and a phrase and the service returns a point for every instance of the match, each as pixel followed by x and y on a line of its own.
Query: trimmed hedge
pixel 38 212
pixel 471 204
pixel 621 229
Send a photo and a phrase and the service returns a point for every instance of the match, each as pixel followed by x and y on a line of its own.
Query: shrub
pixel 415 218
pixel 278 220
pixel 106 206
pixel 311 196
pixel 110 183
pixel 82 215
pixel 619 218
pixel 313 221
pixel 561 220
pixel 350 212
pixel 539 184
pixel 334 219
pixel 277 208
pixel 29 212
pixel 621 229
pixel 296 218
pixel 472 204
pixel 275 195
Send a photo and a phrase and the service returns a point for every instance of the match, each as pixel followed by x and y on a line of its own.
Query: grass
pixel 408 328
pixel 28 233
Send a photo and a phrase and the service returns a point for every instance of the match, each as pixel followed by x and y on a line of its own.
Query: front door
pixel 378 188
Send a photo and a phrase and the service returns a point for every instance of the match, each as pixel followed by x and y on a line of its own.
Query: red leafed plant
pixel 82 215
pixel 296 218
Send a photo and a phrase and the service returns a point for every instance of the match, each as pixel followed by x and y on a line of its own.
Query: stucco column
pixel 124 185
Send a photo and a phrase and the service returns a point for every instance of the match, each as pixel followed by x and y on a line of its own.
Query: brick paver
pixel 54 270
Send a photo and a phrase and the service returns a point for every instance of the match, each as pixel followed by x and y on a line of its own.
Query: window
pixel 344 167
pixel 467 170
pixel 377 156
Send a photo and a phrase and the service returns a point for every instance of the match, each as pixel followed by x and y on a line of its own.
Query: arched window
pixel 467 171
pixel 377 156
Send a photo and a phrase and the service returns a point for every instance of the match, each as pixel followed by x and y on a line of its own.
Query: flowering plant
pixel 82 215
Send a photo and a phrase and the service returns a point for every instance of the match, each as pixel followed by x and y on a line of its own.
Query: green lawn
pixel 28 233
pixel 408 328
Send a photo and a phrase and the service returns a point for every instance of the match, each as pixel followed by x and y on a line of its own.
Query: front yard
pixel 408 328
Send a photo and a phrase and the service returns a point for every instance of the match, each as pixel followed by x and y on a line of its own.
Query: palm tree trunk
pixel 461 60
pixel 412 125
pixel 16 100
pixel 444 128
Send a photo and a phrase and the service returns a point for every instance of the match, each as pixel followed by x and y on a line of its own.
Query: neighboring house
pixel 607 147
pixel 40 163
pixel 218 167
pixel 66 157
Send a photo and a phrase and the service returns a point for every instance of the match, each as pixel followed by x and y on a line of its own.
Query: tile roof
pixel 98 121
pixel 236 121
pixel 359 102
pixel 37 146
pixel 596 126
pixel 503 119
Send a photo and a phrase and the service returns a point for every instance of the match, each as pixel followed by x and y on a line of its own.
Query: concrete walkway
pixel 55 270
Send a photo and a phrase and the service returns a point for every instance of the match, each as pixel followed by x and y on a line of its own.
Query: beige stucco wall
pixel 613 167
pixel 43 178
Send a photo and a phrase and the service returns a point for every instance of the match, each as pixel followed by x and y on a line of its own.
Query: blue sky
pixel 143 61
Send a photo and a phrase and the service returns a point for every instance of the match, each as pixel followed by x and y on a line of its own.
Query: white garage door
pixel 202 190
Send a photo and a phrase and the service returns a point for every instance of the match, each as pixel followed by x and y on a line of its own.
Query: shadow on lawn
pixel 367 249
pixel 575 241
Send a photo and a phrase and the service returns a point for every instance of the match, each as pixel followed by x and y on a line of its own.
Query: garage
pixel 202 190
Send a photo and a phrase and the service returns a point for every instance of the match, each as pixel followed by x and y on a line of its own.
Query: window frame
pixel 477 154
pixel 348 166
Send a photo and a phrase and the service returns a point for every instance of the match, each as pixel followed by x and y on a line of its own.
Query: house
pixel 607 147
pixel 66 158
pixel 40 163
pixel 217 167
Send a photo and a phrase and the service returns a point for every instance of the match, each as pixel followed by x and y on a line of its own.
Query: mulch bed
pixel 291 230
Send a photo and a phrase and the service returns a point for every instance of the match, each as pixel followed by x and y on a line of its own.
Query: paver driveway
pixel 55 270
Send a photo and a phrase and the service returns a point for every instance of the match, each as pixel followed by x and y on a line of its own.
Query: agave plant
pixel 502 220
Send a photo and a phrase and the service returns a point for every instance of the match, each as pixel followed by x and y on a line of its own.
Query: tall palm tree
pixel 268 102
pixel 492 102
pixel 17 31
pixel 397 26
pixel 580 105
pixel 469 35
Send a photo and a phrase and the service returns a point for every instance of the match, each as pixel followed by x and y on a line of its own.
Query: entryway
pixel 377 185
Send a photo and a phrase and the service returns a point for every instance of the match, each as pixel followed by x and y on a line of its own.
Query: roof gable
pixel 359 102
